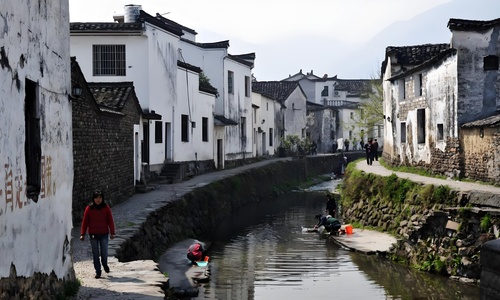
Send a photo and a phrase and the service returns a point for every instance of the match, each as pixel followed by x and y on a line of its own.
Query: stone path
pixel 139 279
pixel 366 241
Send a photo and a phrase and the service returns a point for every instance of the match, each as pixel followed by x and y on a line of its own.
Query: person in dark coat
pixel 368 150
pixel 331 205
pixel 375 149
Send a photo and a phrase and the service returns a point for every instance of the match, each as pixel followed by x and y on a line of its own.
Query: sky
pixel 286 35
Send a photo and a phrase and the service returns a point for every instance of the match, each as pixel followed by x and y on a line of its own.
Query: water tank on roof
pixel 132 13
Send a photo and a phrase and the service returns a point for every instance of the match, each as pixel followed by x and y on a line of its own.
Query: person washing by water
pixel 196 252
pixel 330 224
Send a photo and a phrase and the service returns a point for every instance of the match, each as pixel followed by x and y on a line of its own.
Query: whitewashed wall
pixel 237 105
pixel 295 113
pixel 151 64
pixel 265 120
pixel 34 43
pixel 197 105
pixel 211 61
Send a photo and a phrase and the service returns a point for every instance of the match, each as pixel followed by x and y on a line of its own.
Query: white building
pixel 144 49
pixel 290 107
pixel 36 146
pixel 263 125
pixel 345 95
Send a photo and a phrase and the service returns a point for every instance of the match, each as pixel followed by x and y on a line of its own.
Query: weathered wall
pixel 34 46
pixel 490 274
pixel 481 156
pixel 103 150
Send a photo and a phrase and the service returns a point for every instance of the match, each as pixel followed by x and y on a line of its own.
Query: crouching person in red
pixel 98 220
pixel 196 252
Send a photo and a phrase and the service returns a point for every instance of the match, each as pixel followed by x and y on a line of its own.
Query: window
pixel 204 129
pixel 440 132
pixel 421 126
pixel 255 115
pixel 418 85
pixel 230 82
pixel 185 128
pixel 270 137
pixel 158 132
pixel 32 144
pixel 352 115
pixel 324 92
pixel 402 89
pixel 350 134
pixel 490 63
pixel 243 128
pixel 247 86
pixel 403 132
pixel 267 106
pixel 108 60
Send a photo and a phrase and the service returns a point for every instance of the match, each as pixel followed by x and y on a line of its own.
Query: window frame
pixel 109 60
pixel 184 128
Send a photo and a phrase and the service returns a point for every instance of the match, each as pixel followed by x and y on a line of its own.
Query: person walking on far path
pixel 98 220
pixel 375 149
pixel 346 144
pixel 369 154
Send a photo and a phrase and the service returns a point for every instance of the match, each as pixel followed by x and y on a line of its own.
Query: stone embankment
pixel 441 224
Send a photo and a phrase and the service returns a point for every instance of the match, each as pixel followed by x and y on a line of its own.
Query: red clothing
pixel 196 250
pixel 98 220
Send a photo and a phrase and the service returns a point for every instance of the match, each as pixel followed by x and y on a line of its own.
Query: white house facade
pixel 36 146
pixel 139 49
pixel 263 123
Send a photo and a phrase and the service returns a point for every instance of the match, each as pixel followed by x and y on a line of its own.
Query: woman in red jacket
pixel 98 219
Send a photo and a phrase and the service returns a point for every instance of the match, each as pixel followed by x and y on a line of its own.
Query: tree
pixel 369 112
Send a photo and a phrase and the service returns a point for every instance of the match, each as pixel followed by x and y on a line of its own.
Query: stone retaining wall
pixel 438 230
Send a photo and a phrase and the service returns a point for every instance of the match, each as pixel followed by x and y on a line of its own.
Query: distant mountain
pixel 428 27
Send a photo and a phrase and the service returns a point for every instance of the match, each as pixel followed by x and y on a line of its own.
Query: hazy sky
pixel 286 35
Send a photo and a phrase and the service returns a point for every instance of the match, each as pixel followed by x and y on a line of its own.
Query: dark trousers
pixel 369 158
pixel 99 243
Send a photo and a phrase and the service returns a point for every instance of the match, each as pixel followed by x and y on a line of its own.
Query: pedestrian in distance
pixel 98 221
pixel 331 205
pixel 346 144
pixel 369 154
pixel 375 149
pixel 335 146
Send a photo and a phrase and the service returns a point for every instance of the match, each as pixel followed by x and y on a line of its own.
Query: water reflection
pixel 268 256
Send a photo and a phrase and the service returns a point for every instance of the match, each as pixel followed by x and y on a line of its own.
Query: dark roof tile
pixel 415 55
pixel 111 95
pixel 278 90
pixel 492 121
pixel 105 26
pixel 471 25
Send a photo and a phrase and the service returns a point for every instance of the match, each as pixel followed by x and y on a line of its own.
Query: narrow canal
pixel 263 253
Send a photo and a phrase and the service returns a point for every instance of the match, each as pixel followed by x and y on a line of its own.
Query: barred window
pixel 108 60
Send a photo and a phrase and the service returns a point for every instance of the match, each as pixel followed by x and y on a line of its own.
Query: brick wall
pixel 103 149
pixel 481 154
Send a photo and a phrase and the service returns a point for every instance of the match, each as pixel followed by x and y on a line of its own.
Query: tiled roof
pixel 415 55
pixel 189 66
pixel 241 60
pixel 471 25
pixel 175 24
pixel 354 86
pixel 441 56
pixel 221 44
pixel 278 90
pixel 111 95
pixel 324 78
pixel 493 121
pixel 164 25
pixel 105 27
